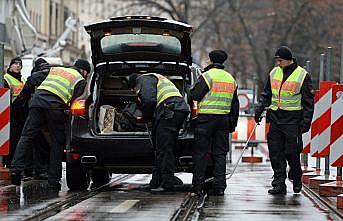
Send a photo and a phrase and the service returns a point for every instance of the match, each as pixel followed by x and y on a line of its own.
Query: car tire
pixel 77 177
pixel 100 177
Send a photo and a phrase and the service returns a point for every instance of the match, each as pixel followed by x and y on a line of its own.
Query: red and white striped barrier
pixel 4 121
pixel 244 128
pixel 336 150
pixel 324 126
pixel 306 138
pixel 314 142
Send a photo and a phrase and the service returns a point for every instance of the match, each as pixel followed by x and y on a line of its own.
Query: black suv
pixel 122 46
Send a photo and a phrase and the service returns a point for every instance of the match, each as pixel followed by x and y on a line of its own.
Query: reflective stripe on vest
pixel 15 86
pixel 165 88
pixel 61 82
pixel 222 87
pixel 287 96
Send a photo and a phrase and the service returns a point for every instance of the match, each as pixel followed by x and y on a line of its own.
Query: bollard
pixel 328 76
pixel 321 68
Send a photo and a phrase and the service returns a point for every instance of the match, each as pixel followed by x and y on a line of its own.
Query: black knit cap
pixel 16 60
pixel 40 61
pixel 83 64
pixel 284 53
pixel 218 56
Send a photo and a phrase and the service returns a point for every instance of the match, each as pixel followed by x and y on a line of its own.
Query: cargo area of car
pixel 115 111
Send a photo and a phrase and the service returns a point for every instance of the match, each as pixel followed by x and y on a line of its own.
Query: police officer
pixel 288 94
pixel 14 81
pixel 218 110
pixel 55 92
pixel 160 100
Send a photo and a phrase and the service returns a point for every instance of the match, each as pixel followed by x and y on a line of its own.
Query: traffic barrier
pixel 313 149
pixel 314 127
pixel 244 129
pixel 323 128
pixel 336 150
pixel 336 140
pixel 4 121
pixel 245 126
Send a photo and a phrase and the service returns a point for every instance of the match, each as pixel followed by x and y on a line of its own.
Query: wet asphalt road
pixel 246 198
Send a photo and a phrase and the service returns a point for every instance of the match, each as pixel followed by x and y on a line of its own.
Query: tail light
pixel 194 111
pixel 79 108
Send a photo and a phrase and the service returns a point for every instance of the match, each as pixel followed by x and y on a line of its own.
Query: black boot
pixel 297 185
pixel 279 189
pixel 16 179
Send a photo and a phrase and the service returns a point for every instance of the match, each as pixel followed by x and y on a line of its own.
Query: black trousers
pixel 54 121
pixel 17 123
pixel 285 145
pixel 165 135
pixel 211 142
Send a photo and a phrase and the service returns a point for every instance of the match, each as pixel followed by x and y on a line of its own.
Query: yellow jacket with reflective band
pixel 165 89
pixel 218 99
pixel 61 82
pixel 15 85
pixel 287 96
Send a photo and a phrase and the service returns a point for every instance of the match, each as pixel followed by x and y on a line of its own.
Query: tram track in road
pixel 322 202
pixel 76 198
pixel 190 208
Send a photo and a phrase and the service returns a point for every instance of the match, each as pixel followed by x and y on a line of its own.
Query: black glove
pixel 304 127
pixel 258 112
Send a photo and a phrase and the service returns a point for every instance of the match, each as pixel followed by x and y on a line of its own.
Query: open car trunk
pixel 115 110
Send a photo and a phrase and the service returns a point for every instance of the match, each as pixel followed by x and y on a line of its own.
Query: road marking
pixel 124 206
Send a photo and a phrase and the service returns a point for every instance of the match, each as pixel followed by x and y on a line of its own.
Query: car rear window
pixel 122 43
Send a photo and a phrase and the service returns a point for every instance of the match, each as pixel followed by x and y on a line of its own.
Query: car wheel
pixel 77 177
pixel 100 177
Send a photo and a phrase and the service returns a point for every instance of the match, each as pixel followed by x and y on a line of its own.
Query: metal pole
pixel 308 66
pixel 321 68
pixel 329 65
pixel 327 166
pixel 317 164
pixel 2 64
pixel 339 174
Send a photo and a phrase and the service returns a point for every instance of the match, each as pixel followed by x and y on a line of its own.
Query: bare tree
pixel 251 30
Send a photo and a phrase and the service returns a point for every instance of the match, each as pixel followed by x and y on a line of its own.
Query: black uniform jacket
pixel 200 89
pixel 147 95
pixel 301 117
pixel 43 98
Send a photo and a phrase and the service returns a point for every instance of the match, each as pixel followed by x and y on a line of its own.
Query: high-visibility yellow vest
pixel 61 82
pixel 165 88
pixel 15 85
pixel 222 86
pixel 287 96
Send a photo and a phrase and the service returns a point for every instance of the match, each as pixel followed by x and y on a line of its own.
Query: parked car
pixel 122 46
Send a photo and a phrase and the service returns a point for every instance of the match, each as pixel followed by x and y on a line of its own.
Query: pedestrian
pixel 218 110
pixel 13 81
pixel 160 101
pixel 38 156
pixel 288 94
pixel 56 90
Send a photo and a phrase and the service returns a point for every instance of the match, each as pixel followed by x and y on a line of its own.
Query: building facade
pixel 48 19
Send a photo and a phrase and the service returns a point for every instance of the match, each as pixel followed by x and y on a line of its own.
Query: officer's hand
pixel 304 127
pixel 258 112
